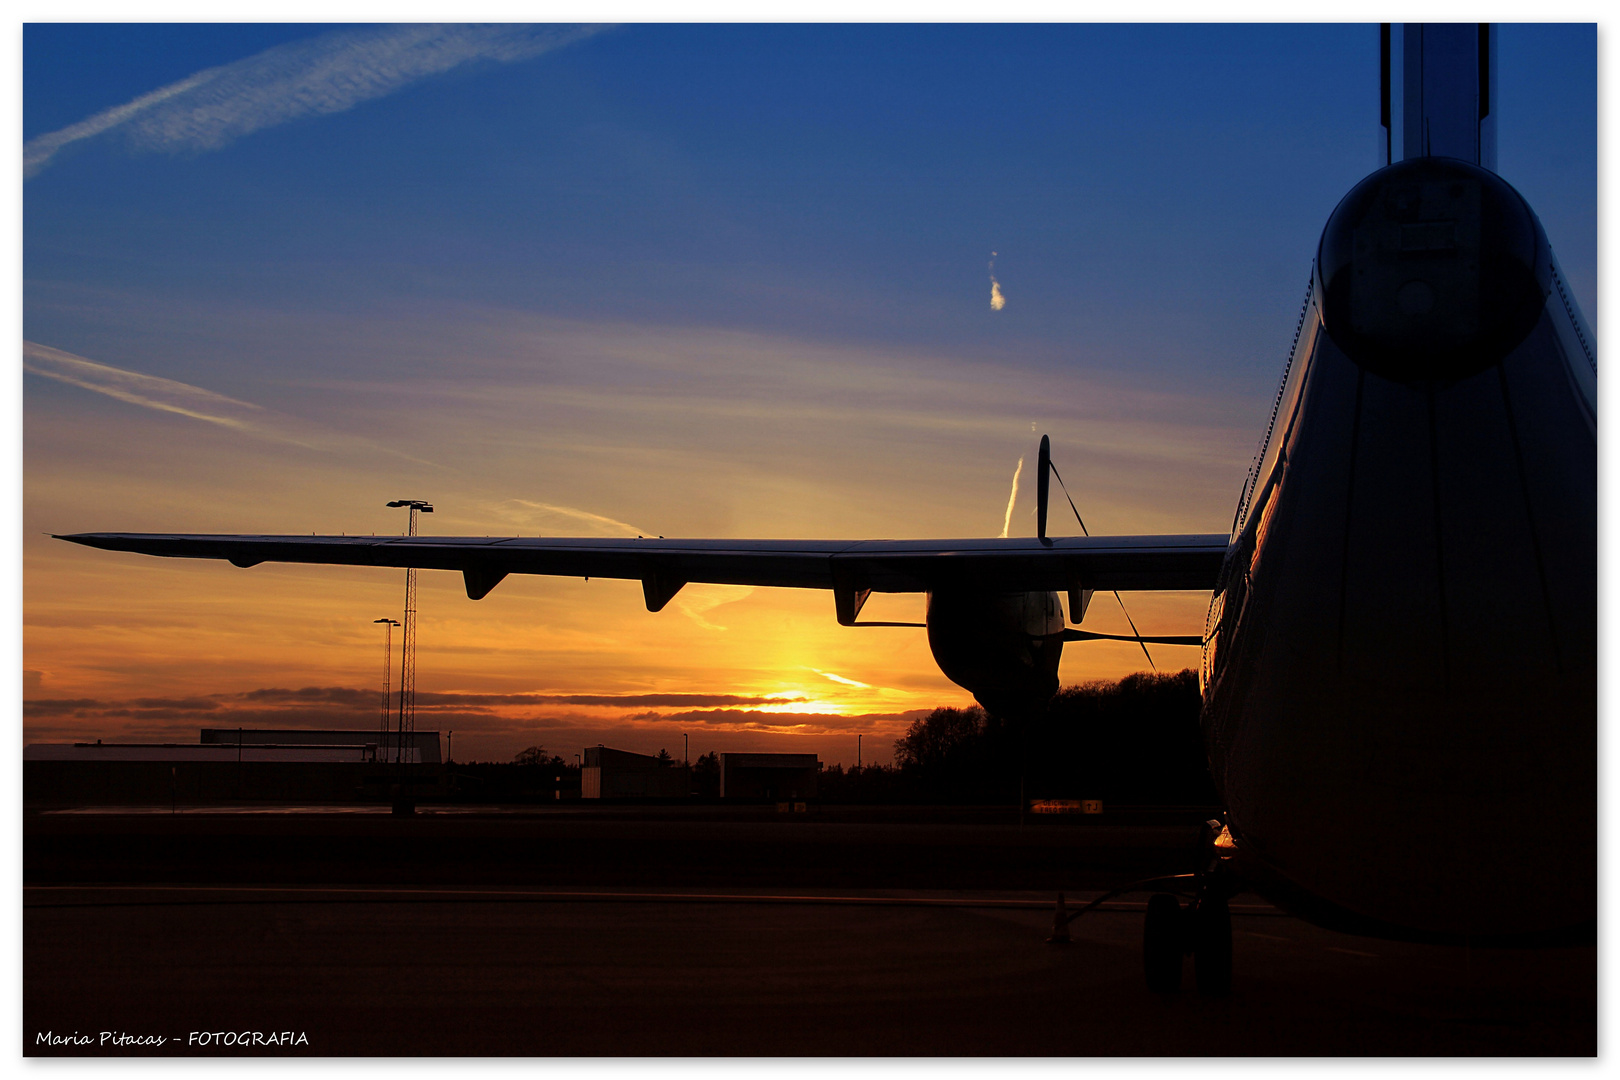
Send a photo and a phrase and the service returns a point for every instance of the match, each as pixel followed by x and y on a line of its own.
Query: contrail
pixel 325 74
pixel 696 601
pixel 581 515
pixel 183 399
pixel 1012 498
pixel 841 679
pixel 38 152
pixel 148 391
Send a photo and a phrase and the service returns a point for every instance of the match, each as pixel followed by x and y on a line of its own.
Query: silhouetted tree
pixel 706 776
pixel 959 755
pixel 1136 741
pixel 943 734
pixel 663 758
pixel 534 755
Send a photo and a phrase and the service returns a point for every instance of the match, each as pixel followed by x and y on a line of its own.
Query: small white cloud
pixel 997 301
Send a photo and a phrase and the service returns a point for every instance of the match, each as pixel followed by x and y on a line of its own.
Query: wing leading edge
pixel 851 569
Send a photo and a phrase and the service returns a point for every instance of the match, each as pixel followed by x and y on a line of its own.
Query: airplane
pixel 1399 662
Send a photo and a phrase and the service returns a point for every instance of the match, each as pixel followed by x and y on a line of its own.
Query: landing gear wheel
pixel 1163 943
pixel 1212 946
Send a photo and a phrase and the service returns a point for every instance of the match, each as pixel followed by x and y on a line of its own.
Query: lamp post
pixel 858 769
pixel 388 655
pixel 450 746
pixel 686 750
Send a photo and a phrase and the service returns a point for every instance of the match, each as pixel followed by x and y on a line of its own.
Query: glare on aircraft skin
pixel 1399 663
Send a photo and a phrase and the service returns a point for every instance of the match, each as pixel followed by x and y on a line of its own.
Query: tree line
pixel 1132 742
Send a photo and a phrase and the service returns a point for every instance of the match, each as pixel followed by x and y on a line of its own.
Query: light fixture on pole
pixel 388 659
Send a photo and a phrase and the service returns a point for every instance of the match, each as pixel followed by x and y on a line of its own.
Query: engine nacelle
pixel 1001 647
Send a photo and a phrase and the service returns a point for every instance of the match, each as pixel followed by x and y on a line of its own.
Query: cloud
pixel 366 700
pixel 716 721
pixel 325 74
pixel 183 399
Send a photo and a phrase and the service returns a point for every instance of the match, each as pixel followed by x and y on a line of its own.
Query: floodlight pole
pixel 388 674
pixel 407 662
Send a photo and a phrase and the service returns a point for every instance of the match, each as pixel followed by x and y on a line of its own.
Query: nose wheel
pixel 1164 936
pixel 1202 930
pixel 1212 945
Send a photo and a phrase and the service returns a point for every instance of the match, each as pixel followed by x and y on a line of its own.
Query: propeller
pixel 1043 488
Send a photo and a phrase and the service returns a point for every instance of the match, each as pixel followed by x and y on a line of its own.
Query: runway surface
pixel 502 964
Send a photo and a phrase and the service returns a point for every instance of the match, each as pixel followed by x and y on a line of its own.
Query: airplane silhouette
pixel 1399 661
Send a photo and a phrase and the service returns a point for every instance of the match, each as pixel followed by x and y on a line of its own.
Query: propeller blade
pixel 1043 486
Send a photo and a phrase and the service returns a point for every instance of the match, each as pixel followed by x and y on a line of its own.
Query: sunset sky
pixel 708 281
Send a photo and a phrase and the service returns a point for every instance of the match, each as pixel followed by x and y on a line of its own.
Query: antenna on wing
pixel 1042 492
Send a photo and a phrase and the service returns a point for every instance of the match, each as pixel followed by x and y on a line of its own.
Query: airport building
pixel 768 776
pixel 421 747
pixel 619 774
pixel 225 764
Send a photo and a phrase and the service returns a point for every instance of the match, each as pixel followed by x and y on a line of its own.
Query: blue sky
pixel 692 280
pixel 1154 193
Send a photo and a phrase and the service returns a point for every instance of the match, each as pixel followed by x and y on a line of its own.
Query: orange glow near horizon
pixel 763 437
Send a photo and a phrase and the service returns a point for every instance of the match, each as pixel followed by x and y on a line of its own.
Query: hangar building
pixel 619 774
pixel 768 776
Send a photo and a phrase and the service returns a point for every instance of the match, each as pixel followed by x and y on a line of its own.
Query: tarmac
pixel 643 933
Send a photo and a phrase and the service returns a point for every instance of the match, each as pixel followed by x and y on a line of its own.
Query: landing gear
pixel 1170 933
pixel 1163 943
pixel 1202 930
pixel 1211 945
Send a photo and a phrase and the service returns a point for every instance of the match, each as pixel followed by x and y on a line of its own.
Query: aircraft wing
pixel 852 569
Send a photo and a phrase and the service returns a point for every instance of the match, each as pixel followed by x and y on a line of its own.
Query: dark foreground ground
pixel 715 933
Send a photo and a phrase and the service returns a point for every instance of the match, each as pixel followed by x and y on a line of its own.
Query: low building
pixel 227 765
pixel 421 747
pixel 769 776
pixel 619 774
